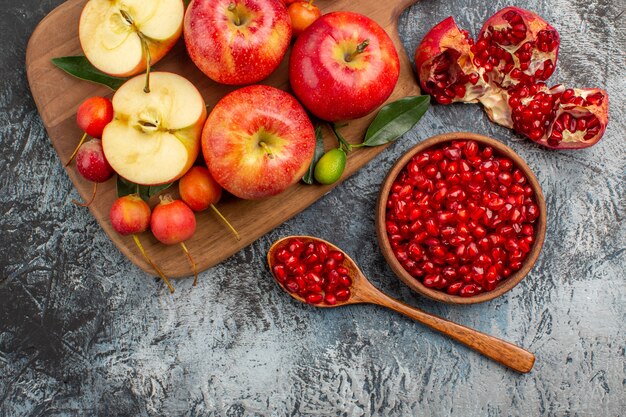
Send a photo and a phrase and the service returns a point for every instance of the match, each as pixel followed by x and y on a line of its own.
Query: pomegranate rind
pixel 515 52
pixel 576 139
pixel 447 37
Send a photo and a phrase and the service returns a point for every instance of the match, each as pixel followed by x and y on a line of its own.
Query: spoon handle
pixel 499 350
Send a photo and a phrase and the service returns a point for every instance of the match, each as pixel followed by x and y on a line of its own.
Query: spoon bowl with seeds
pixel 316 272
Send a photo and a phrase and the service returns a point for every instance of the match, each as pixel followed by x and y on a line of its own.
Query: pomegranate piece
pixel 469 232
pixel 504 70
pixel 313 271
pixel 516 46
pixel 444 65
pixel 558 117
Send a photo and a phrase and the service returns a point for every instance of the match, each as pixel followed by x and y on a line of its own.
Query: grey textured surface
pixel 84 332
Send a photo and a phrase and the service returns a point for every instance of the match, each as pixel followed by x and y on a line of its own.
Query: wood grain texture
pixel 396 266
pixel 363 292
pixel 58 95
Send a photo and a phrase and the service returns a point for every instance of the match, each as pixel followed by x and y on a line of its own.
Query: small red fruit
pixel 302 14
pixel 93 115
pixel 200 191
pixel 130 215
pixel 173 222
pixel 92 165
pixel 91 162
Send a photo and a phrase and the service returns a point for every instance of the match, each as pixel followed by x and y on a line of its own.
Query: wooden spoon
pixel 362 291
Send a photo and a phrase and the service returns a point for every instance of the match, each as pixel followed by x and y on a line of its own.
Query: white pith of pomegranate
pixel 504 70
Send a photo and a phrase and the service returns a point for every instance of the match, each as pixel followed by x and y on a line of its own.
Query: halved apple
pixel 121 37
pixel 154 137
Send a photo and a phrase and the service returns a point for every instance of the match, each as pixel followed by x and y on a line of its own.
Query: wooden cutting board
pixel 58 95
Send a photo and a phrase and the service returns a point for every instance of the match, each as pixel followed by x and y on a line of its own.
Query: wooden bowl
pixel 414 283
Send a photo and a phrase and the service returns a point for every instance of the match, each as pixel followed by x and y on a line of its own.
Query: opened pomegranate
pixel 313 271
pixel 461 218
pixel 504 70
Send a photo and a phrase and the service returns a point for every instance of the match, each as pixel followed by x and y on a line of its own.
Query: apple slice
pixel 123 38
pixel 154 137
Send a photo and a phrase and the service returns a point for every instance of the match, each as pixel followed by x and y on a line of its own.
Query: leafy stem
pixel 343 143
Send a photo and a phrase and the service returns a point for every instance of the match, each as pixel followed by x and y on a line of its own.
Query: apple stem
pixel 193 263
pixel 145 255
pixel 230 226
pixel 267 149
pixel 146 48
pixel 359 50
pixel 82 140
pixel 93 196
pixel 231 8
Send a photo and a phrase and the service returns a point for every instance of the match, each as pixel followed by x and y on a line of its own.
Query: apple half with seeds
pixel 154 137
pixel 121 38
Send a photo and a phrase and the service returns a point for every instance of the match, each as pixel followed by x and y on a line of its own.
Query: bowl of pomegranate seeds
pixel 461 218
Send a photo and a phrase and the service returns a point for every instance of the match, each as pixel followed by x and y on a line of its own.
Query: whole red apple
pixel 258 141
pixel 343 66
pixel 237 41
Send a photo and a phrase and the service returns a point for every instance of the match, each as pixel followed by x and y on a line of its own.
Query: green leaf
pixel 125 187
pixel 395 119
pixel 186 2
pixel 80 67
pixel 319 151
pixel 155 189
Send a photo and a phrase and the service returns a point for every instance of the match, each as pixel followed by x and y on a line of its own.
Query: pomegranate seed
pixel 292 286
pixel 459 224
pixel 282 255
pixel 314 298
pixel 280 273
pixel 330 299
pixel 342 294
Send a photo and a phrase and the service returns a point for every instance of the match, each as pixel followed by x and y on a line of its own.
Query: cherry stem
pixel 156 268
pixel 359 50
pixel 93 196
pixel 193 263
pixel 230 226
pixel 82 140
pixel 231 8
pixel 267 149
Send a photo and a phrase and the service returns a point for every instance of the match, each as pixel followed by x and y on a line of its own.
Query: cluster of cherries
pixel 313 271
pixel 461 218
pixel 171 221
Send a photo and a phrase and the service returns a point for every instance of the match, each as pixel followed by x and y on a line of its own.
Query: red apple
pixel 258 141
pixel 343 66
pixel 237 41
